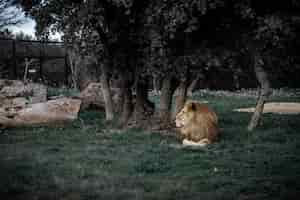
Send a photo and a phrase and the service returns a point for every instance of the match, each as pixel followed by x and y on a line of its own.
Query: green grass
pixel 53 91
pixel 83 160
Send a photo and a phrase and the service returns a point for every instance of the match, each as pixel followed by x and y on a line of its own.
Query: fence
pixel 49 60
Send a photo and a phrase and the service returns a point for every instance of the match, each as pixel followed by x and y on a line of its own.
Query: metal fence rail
pixel 51 56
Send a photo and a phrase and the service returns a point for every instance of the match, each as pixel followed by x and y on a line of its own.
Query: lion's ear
pixel 192 106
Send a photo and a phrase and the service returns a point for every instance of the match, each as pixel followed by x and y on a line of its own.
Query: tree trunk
pixel 180 96
pixel 165 103
pixel 125 100
pixel 73 61
pixel 264 93
pixel 109 112
pixel 156 84
pixel 236 81
pixel 143 107
pixel 192 86
pixel 127 107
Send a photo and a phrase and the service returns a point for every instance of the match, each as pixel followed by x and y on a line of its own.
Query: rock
pixel 26 104
pixel 92 96
pixel 33 92
pixel 52 112
pixel 11 106
pixel 276 107
pixel 39 92
pixel 13 88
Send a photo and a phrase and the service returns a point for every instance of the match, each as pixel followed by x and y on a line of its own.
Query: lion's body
pixel 197 124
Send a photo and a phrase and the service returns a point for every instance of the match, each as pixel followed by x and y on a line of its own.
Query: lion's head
pixel 186 115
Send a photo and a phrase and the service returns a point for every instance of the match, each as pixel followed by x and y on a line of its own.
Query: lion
pixel 197 124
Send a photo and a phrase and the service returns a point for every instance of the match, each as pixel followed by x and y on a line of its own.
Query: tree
pixel 6 34
pixel 23 36
pixel 170 26
pixel 137 40
pixel 94 27
pixel 270 32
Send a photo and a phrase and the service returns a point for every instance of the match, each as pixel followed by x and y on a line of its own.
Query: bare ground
pixel 278 108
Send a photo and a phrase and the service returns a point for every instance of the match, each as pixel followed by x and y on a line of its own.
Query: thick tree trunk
pixel 143 107
pixel 127 107
pixel 264 93
pixel 109 111
pixel 85 71
pixel 165 104
pixel 180 96
pixel 125 101
pixel 119 84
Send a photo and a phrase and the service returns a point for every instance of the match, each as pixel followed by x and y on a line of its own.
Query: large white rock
pixel 52 112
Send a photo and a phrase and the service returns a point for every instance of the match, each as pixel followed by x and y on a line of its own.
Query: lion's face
pixel 185 115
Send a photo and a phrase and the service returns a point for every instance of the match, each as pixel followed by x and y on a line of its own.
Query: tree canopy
pixel 170 39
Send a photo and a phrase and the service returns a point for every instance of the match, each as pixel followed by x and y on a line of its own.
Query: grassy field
pixel 85 161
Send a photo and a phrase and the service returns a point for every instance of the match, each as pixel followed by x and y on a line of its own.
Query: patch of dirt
pixel 276 107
